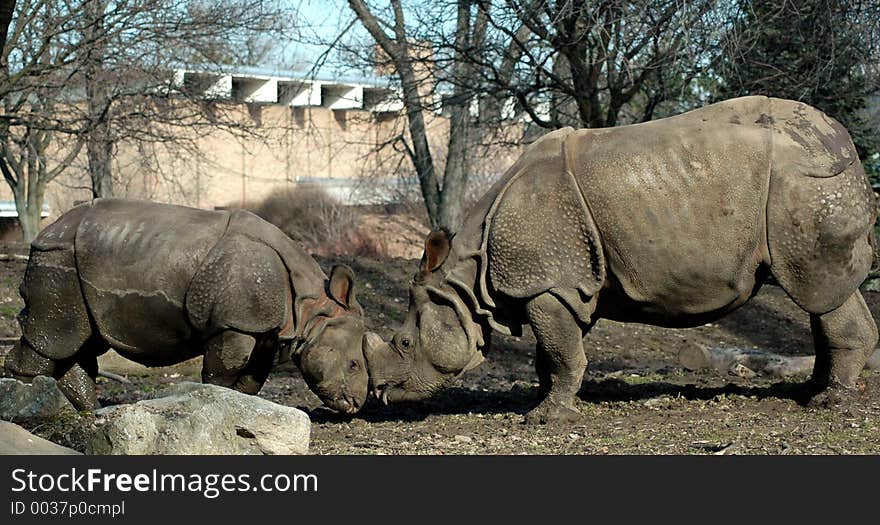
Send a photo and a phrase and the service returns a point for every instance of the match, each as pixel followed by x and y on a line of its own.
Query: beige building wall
pixel 351 152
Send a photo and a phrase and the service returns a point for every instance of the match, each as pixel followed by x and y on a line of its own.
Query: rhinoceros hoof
pixel 833 397
pixel 551 411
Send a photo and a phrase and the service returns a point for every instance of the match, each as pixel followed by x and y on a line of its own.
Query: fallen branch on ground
pixel 115 377
pixel 750 361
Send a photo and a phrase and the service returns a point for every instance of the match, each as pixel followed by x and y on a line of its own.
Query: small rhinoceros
pixel 674 222
pixel 162 283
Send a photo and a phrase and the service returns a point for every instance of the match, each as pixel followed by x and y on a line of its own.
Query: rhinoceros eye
pixel 405 342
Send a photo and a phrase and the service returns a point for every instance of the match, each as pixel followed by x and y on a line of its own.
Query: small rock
pixel 193 418
pixel 39 399
pixel 657 402
pixel 463 439
pixel 694 358
pixel 741 370
pixel 16 440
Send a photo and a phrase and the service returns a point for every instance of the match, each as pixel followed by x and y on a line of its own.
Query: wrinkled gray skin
pixel 674 223
pixel 161 284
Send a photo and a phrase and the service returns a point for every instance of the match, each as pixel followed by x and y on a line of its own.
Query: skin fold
pixel 674 222
pixel 162 284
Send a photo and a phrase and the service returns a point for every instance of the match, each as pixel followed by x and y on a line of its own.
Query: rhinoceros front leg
pixel 559 360
pixel 78 383
pixel 230 361
pixel 844 339
pixel 254 375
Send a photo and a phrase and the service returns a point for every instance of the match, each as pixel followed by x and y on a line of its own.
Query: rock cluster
pixel 193 418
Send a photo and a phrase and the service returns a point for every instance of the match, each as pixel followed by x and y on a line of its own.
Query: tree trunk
pixel 100 154
pixel 421 155
pixel 745 362
pixel 563 107
pixel 29 220
pixel 456 174
pixel 99 143
pixel 28 214
pixel 7 9
pixel 469 38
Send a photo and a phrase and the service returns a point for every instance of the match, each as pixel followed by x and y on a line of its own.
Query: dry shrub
pixel 323 225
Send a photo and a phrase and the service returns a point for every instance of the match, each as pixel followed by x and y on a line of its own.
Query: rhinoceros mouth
pixel 345 404
pixel 381 393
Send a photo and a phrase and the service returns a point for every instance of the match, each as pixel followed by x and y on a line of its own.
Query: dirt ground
pixel 635 398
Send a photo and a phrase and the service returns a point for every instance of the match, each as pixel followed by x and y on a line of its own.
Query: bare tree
pixel 94 72
pixel 598 64
pixel 555 62
pixel 30 125
pixel 415 65
pixel 129 49
pixel 99 142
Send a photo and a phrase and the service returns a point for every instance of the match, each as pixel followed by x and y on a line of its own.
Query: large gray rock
pixel 16 440
pixel 193 418
pixel 39 399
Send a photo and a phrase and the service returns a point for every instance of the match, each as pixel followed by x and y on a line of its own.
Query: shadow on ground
pixel 519 400
pixel 616 390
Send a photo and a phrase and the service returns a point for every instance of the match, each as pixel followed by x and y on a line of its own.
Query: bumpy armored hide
pixel 252 298
pixel 306 277
pixel 155 251
pixel 679 203
pixel 806 142
pixel 61 234
pixel 539 235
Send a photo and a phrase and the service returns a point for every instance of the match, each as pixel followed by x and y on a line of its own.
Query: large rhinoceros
pixel 162 284
pixel 674 223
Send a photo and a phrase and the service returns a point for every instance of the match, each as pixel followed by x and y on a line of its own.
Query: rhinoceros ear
pixel 342 286
pixel 437 247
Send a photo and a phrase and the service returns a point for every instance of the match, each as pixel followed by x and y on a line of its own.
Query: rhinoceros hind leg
pixel 226 355
pixel 76 376
pixel 24 363
pixel 844 338
pixel 55 320
pixel 559 359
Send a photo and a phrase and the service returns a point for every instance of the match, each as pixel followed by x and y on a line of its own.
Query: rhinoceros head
pixel 437 342
pixel 331 356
